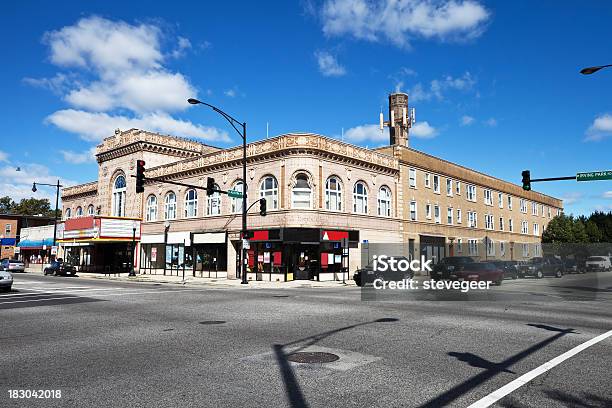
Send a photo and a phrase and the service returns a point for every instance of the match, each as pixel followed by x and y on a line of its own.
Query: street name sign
pixel 234 194
pixel 594 175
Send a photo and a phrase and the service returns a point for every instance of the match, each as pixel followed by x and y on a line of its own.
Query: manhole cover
pixel 312 357
pixel 212 322
pixel 168 329
pixel 280 296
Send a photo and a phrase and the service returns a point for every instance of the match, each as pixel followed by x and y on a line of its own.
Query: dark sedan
pixel 510 268
pixel 368 275
pixel 60 268
pixel 479 271
pixel 540 267
pixel 444 268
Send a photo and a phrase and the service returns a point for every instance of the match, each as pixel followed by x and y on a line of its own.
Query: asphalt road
pixel 116 344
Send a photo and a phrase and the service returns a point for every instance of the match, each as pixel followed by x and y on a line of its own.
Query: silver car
pixel 12 265
pixel 6 281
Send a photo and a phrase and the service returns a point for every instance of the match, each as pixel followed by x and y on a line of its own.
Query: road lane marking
pixel 525 378
pixel 68 296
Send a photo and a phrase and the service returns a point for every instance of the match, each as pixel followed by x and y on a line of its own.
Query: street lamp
pixel 57 191
pixel 592 70
pixel 132 270
pixel 232 121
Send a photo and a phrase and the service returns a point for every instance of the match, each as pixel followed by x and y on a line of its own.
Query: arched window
pixel 119 191
pixel 360 198
pixel 68 213
pixel 151 214
pixel 268 189
pixel 90 209
pixel 333 194
pixel 79 212
pixel 301 194
pixel 384 201
pixel 213 206
pixel 170 206
pixel 191 203
pixel 237 202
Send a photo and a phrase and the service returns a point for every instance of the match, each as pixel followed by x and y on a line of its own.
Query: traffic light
pixel 263 205
pixel 526 180
pixel 140 176
pixel 210 186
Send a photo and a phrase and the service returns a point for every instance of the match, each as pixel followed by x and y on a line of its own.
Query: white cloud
pixel 230 92
pixel 18 184
pixel 607 194
pixel 3 156
pixel 438 87
pixel 328 64
pixel 467 120
pixel 600 129
pixel 95 126
pixel 423 130
pixel 56 84
pixel 86 156
pixel 182 46
pixel 366 133
pixel 491 122
pixel 401 21
pixel 571 198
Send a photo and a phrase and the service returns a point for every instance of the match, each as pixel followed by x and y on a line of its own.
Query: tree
pixel 593 232
pixel 559 230
pixel 34 206
pixel 7 205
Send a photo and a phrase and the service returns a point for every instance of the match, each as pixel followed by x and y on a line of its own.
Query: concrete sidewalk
pixel 213 282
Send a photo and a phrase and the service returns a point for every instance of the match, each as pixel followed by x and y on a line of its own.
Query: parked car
pixel 510 268
pixel 598 263
pixel 540 267
pixel 12 265
pixel 479 271
pixel 368 275
pixel 59 267
pixel 6 280
pixel 574 266
pixel 444 268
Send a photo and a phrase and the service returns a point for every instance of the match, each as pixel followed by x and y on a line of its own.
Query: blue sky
pixel 495 84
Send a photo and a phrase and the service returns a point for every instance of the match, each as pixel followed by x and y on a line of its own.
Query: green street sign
pixel 594 175
pixel 234 194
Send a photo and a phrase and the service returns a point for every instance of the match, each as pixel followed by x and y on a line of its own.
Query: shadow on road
pixel 491 371
pixel 585 400
pixel 292 387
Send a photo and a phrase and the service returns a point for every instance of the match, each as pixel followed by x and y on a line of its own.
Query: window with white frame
pixel 213 203
pixel 534 209
pixel 436 183
pixel 68 214
pixel 268 189
pixel 489 224
pixel 449 187
pixel 428 211
pixel 490 247
pixel 500 200
pixel 90 209
pixel 523 205
pixel 7 229
pixel 510 202
pixel 558 212
pixel 502 248
pixel 151 209
pixel 510 225
pixel 119 194
pixel 458 188
pixel 384 201
pixel 472 247
pixel 525 250
pixel 470 193
pixel 427 180
pixel 333 194
pixel 437 215
pixel 170 206
pixel 536 229
pixel 301 195
pixel 191 203
pixel 360 198
pixel 501 223
pixel 459 216
pixel 413 211
pixel 459 245
pixel 79 212
pixel 236 203
pixel 488 200
pixel 524 227
pixel 412 178
pixel 449 216
pixel 537 250
pixel 472 219
pixel 548 212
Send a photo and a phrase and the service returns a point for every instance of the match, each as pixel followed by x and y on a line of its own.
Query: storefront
pixel 287 254
pixel 34 245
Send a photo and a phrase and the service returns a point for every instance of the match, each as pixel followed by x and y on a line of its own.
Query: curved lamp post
pixel 592 70
pixel 57 191
pixel 236 125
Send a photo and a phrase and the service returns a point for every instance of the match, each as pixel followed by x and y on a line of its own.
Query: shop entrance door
pixel 303 260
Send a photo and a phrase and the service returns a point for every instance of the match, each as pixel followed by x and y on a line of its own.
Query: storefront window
pixel 384 201
pixel 214 203
pixel 360 198
pixel 191 203
pixel 151 208
pixel 119 192
pixel 170 206
pixel 301 194
pixel 333 194
pixel 269 190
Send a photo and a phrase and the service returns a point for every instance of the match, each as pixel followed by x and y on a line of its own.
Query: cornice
pixel 82 190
